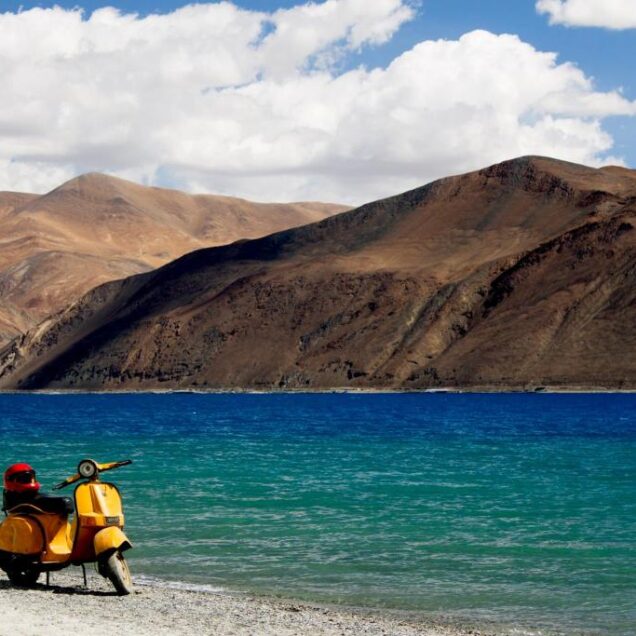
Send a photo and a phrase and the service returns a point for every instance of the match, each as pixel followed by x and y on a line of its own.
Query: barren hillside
pixel 97 228
pixel 516 276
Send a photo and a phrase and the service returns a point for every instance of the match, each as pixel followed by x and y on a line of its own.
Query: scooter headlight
pixel 87 468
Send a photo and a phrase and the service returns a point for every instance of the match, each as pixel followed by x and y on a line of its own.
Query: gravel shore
pixel 67 607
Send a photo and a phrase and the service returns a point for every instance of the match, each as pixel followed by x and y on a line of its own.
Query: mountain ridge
pixel 479 280
pixel 95 228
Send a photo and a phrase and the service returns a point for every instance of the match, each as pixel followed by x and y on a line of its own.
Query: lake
pixel 515 510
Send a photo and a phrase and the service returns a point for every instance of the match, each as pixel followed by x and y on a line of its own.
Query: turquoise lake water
pixel 517 510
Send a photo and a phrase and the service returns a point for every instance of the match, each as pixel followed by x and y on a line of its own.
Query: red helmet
pixel 20 478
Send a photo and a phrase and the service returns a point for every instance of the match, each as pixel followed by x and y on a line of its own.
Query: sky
pixel 332 100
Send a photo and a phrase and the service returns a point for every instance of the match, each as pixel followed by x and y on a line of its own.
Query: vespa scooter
pixel 36 539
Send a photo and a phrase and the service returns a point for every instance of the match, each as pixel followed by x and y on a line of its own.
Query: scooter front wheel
pixel 23 575
pixel 116 570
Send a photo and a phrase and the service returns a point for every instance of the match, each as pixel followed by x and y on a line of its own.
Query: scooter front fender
pixel 110 539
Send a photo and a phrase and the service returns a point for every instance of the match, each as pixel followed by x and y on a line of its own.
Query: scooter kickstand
pixel 84 572
pixel 48 580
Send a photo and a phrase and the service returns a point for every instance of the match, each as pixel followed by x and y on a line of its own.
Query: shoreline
pixel 152 609
pixel 543 390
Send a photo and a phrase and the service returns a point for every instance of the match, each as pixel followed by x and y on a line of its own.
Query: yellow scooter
pixel 38 537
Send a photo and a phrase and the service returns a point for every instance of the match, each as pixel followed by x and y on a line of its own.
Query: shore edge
pixel 66 607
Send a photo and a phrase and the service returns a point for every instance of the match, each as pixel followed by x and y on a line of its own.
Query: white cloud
pixel 218 99
pixel 610 14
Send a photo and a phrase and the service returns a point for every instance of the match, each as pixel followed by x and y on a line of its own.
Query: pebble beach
pixel 66 606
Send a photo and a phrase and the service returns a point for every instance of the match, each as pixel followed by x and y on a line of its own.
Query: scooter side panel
pixel 21 535
pixel 58 532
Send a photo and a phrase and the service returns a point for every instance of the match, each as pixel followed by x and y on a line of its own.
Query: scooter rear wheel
pixel 117 572
pixel 23 575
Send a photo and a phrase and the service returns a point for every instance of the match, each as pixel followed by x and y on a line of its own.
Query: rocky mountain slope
pixel 516 276
pixel 97 228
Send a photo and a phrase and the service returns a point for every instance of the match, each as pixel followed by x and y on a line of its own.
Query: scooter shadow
pixel 58 589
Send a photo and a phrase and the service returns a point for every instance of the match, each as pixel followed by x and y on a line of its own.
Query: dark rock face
pixel 518 276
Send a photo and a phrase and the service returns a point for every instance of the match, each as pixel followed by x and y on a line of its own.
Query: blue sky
pixel 604 57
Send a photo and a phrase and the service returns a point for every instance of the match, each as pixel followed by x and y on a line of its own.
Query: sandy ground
pixel 67 607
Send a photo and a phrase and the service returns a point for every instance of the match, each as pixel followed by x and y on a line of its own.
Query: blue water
pixel 518 510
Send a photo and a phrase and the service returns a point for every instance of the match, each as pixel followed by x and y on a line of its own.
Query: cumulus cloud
pixel 215 98
pixel 611 14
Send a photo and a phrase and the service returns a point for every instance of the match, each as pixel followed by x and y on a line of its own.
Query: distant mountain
pixel 521 275
pixel 97 228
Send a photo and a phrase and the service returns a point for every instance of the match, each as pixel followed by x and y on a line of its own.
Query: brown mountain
pixel 517 276
pixel 97 228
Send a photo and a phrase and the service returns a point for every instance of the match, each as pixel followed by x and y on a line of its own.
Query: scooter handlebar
pixel 112 465
pixel 100 468
pixel 67 482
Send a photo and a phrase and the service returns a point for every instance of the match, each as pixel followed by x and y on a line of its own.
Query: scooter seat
pixel 41 503
pixel 54 504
